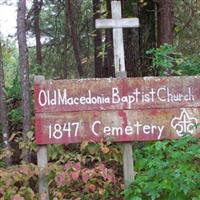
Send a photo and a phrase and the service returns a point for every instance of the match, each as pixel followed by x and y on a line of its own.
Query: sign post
pixel 117 23
pixel 42 160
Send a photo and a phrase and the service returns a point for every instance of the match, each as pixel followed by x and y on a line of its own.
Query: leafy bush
pixel 72 173
pixel 74 181
pixel 15 182
pixel 167 170
pixel 168 61
pixel 86 171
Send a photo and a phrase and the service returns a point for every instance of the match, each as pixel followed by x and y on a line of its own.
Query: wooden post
pixel 120 72
pixel 117 23
pixel 42 161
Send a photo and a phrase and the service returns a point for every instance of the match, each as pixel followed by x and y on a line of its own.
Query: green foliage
pixel 10 62
pixel 54 28
pixel 187 26
pixel 164 170
pixel 103 152
pixel 13 94
pixel 168 61
pixel 167 170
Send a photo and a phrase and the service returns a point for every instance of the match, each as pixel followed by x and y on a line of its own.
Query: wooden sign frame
pixel 119 110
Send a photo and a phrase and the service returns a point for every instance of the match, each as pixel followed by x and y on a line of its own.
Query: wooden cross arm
pixel 117 23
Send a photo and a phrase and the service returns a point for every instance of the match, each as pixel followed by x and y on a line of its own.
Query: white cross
pixel 117 23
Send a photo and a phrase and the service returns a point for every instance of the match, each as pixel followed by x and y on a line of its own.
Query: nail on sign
pixel 119 110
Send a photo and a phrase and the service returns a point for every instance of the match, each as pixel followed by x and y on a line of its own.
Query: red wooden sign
pixel 133 109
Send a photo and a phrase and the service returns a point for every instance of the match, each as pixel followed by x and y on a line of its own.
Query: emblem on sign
pixel 184 123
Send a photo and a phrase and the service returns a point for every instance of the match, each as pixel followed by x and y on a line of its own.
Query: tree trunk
pixel 3 108
pixel 147 35
pixel 109 69
pixel 24 71
pixel 65 66
pixel 97 40
pixel 74 37
pixel 165 22
pixel 132 50
pixel 139 40
pixel 37 10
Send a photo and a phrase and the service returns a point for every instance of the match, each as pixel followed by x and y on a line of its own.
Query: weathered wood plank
pixel 117 23
pixel 117 94
pixel 116 126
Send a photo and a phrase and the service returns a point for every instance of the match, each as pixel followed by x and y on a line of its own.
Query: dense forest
pixel 58 40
